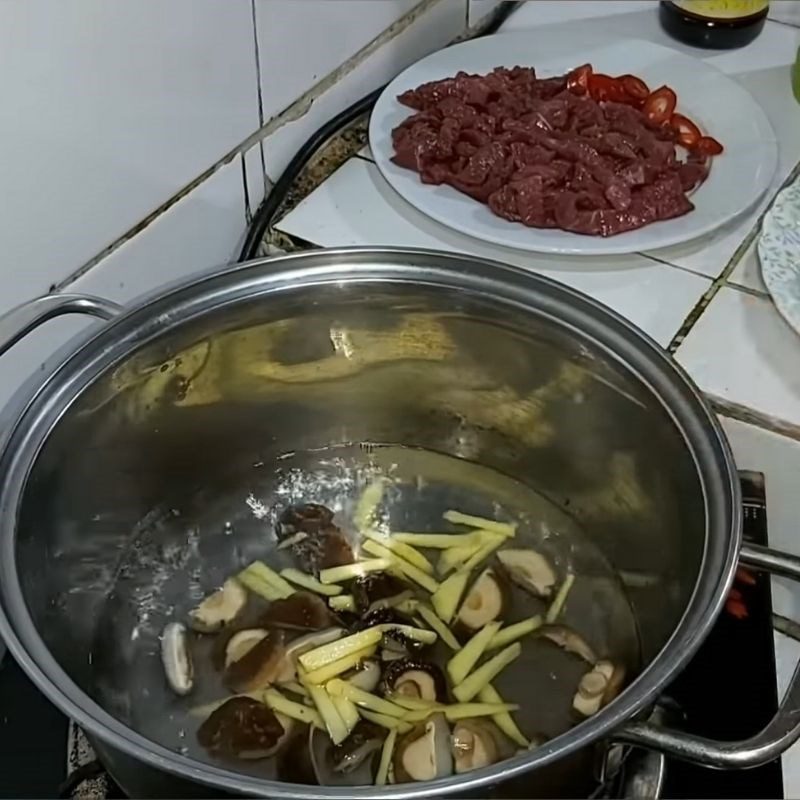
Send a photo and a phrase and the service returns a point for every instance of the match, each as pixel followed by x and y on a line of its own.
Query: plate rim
pixel 583 245
pixel 771 282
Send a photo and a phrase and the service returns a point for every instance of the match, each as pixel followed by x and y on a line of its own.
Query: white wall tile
pixel 741 350
pixel 301 41
pixel 108 109
pixel 432 30
pixel 202 231
pixel 357 207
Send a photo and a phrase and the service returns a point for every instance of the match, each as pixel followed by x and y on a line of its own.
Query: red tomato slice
pixel 688 132
pixel 635 87
pixel 660 105
pixel 604 87
pixel 708 146
pixel 578 79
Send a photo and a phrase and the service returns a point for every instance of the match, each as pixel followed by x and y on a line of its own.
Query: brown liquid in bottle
pixel 716 24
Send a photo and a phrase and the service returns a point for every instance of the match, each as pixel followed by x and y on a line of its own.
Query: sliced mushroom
pixel 309 518
pixel 569 641
pixel 486 600
pixel 371 589
pixel 366 676
pixel 244 728
pixel 220 608
pixel 478 743
pixel 259 667
pixel 177 659
pixel 598 687
pixel 241 643
pixel 302 645
pixel 424 753
pixel 349 763
pixel 300 611
pixel 324 544
pixel 415 679
pixel 529 570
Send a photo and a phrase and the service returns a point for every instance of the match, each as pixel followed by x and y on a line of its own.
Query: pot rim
pixel 153 315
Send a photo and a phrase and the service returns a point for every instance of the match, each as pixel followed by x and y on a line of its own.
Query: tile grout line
pixel 259 95
pixel 757 419
pixel 248 214
pixel 722 279
pixel 291 113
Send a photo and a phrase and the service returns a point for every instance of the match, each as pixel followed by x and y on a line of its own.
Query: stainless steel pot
pixel 468 357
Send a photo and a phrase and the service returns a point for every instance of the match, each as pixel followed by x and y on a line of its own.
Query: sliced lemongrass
pixel 341 648
pixel 343 602
pixel 411 703
pixel 408 606
pixel 260 570
pixel 277 702
pixel 420 635
pixel 295 687
pixel 363 699
pixel 483 552
pixel 309 582
pixel 557 606
pixel 455 557
pixel 486 673
pixel 503 719
pixel 348 711
pixel 467 710
pixel 420 714
pixel 387 751
pixel 295 538
pixel 445 634
pixel 513 632
pixel 506 529
pixel 334 724
pixel 368 502
pixel 385 721
pixel 403 550
pixel 323 674
pixel 461 664
pixel 259 586
pixel 437 541
pixel 356 570
pixel 408 570
pixel 446 598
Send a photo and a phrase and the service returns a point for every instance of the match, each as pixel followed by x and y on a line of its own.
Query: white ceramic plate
pixel 779 253
pixel 714 101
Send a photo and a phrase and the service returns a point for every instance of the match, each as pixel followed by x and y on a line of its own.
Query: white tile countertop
pixel 704 300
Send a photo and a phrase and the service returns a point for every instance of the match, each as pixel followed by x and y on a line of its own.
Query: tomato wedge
pixel 708 146
pixel 578 79
pixel 688 132
pixel 660 105
pixel 604 87
pixel 634 87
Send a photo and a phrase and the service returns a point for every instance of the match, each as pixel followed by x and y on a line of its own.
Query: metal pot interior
pixel 160 476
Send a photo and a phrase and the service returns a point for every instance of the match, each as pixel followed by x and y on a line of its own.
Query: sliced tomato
pixel 603 88
pixel 688 132
pixel 708 146
pixel 578 79
pixel 660 105
pixel 634 87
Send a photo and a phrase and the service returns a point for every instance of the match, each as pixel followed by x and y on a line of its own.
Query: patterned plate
pixel 779 253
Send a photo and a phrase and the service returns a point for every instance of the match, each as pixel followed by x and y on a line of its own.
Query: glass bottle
pixel 716 24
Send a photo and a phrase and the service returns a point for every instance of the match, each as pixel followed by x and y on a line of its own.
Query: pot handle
pixel 17 323
pixel 782 731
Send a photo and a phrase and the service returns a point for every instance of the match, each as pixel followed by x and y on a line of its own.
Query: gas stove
pixel 727 692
